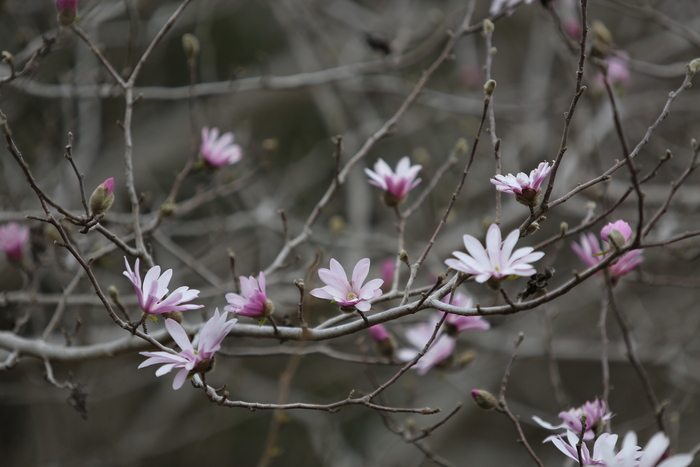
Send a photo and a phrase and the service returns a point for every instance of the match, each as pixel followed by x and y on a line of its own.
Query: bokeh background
pixel 260 74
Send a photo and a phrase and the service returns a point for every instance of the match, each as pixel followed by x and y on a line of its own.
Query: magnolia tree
pixel 332 227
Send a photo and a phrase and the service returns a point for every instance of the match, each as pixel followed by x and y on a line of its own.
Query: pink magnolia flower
pixel 618 72
pixel 439 352
pixel 526 188
pixel 455 324
pixel 190 361
pixel 596 415
pixel 604 441
pixel 348 293
pixel 497 260
pixel 618 233
pixel 498 5
pixel 590 253
pixel 150 293
pixel 70 5
pixel 629 455
pixel 13 238
pixel 253 302
pixel 218 151
pixel 395 185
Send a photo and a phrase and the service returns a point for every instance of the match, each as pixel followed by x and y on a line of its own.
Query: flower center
pixel 352 296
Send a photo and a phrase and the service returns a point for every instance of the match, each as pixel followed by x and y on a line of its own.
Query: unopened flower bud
pixel 488 26
pixel 66 11
pixel 190 44
pixel 465 359
pixel 563 228
pixel 337 224
pixel 383 342
pixel 168 208
pixel 270 144
pixel 102 198
pixel 484 399
pixel 532 228
pixel 489 87
pixel 694 65
pixel 461 146
pixel 113 293
pixel 8 58
pixel 403 257
pixel 174 315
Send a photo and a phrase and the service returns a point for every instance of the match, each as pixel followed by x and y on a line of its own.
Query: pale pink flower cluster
pixel 253 301
pixel 190 361
pixel 596 413
pixel 498 260
pixel 589 249
pixel 396 185
pixel 348 294
pixel 13 238
pixel 152 291
pixel 439 352
pixel 526 188
pixel 217 151
pixel 443 346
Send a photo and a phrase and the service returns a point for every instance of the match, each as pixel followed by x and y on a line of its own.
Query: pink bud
pixel 109 186
pixel 378 333
pixel 13 238
pixel 70 5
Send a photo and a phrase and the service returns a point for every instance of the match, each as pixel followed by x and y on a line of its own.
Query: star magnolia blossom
pixel 596 415
pixel 13 238
pixel 606 442
pixel 218 151
pixel 189 360
pixel 439 352
pixel 348 293
pixel 526 188
pixel 629 456
pixel 590 253
pixel 497 260
pixel 150 293
pixel 253 302
pixel 395 185
pixel 455 324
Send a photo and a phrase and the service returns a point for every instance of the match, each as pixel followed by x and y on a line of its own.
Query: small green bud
pixel 489 87
pixel 488 26
pixel 563 228
pixel 8 58
pixel 190 44
pixel 694 65
pixel 113 293
pixel 484 399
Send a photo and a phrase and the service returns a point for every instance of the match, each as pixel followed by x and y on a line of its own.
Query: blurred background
pixel 286 76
